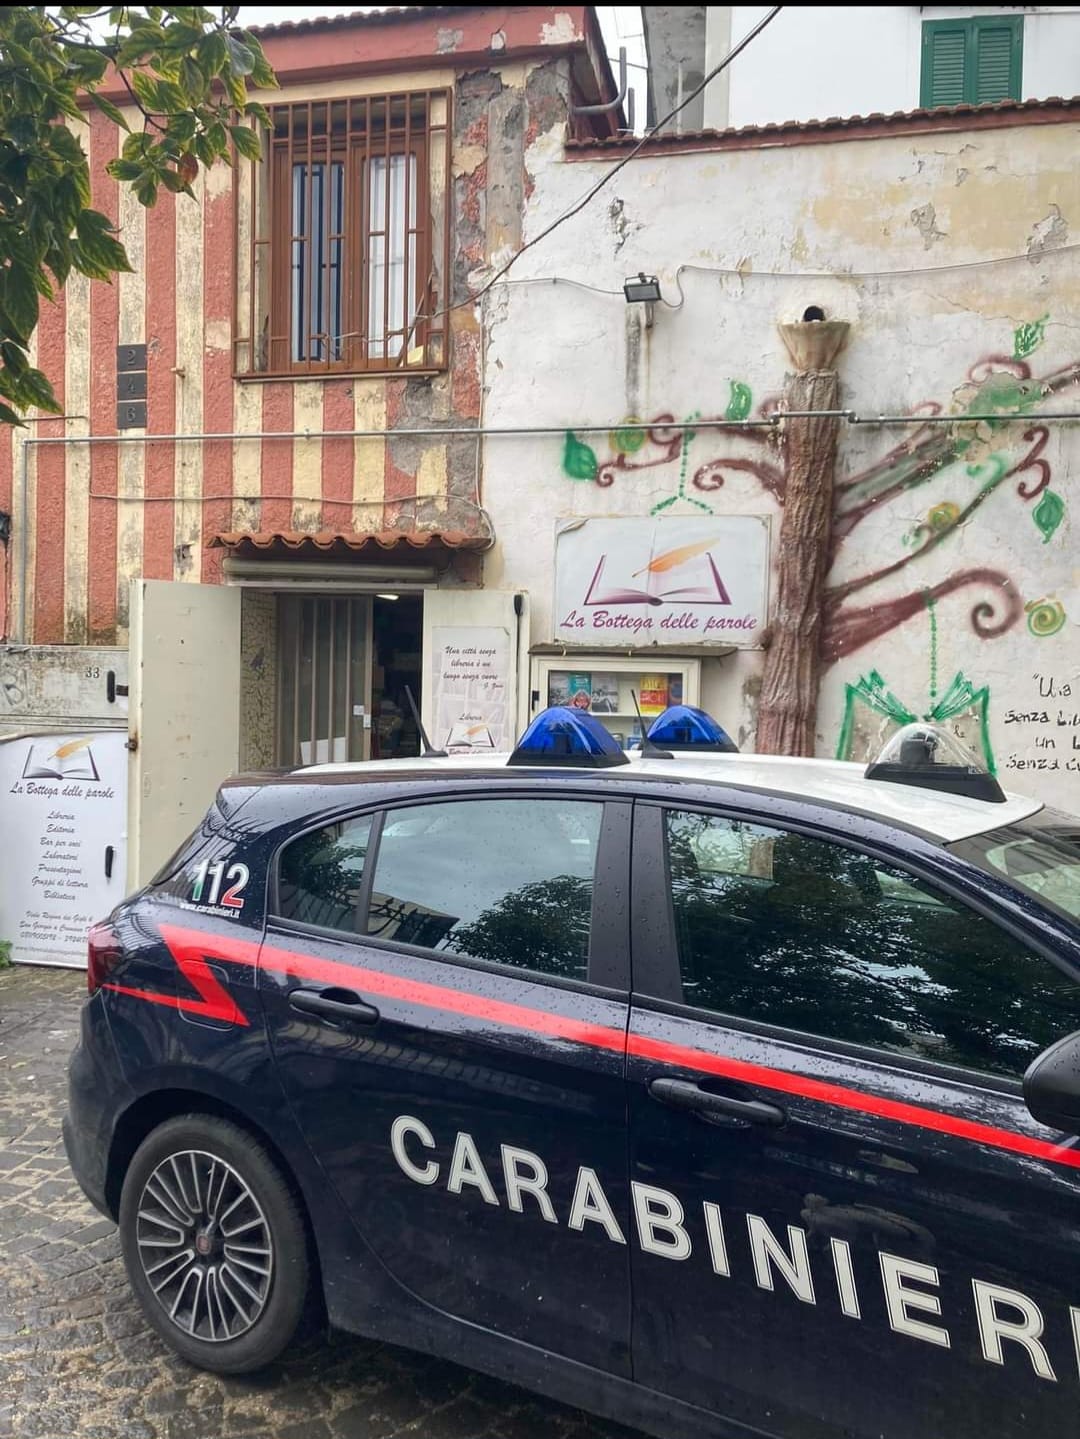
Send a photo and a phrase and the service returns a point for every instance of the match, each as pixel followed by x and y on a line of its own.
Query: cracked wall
pixel 953 589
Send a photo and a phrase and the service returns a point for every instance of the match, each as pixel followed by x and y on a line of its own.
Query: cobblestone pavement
pixel 76 1357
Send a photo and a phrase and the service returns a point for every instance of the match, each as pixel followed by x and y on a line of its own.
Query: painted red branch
pixel 837 593
pixel 929 451
pixel 911 468
pixel 905 448
pixel 843 633
pixel 711 476
pixel 997 364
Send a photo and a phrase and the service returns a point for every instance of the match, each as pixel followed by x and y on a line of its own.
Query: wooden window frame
pixel 347 130
pixel 971 26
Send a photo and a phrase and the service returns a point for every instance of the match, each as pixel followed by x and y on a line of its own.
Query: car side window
pixel 800 932
pixel 509 881
pixel 320 873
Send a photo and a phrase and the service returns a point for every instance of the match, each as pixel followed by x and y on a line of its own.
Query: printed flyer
pixel 64 800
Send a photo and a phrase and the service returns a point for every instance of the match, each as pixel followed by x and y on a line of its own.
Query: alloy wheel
pixel 205 1246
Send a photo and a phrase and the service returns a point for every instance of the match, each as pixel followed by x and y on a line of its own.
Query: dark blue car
pixel 718 1094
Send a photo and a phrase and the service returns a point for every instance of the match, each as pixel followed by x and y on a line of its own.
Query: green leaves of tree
pixel 187 69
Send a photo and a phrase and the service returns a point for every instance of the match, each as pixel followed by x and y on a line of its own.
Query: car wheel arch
pixel 149 1111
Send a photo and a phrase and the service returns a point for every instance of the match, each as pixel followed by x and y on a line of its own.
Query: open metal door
pixel 474 642
pixel 183 712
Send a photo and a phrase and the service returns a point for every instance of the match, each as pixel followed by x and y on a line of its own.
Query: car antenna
pixel 648 748
pixel 429 752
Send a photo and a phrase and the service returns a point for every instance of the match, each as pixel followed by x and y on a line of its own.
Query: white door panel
pixel 184 712
pixel 473 668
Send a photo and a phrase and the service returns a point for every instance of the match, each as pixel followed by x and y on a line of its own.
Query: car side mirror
pixel 1052 1085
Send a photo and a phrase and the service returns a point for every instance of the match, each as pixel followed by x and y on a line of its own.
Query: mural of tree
pixel 985 438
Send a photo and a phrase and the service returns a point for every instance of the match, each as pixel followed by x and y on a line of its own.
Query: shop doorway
pixel 397 639
pixel 343 665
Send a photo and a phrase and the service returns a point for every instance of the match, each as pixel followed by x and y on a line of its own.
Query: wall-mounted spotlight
pixel 641 289
pixel 644 290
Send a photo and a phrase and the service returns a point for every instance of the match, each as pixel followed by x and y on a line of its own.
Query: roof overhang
pixel 289 559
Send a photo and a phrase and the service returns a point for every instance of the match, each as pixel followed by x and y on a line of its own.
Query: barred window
pixel 343 247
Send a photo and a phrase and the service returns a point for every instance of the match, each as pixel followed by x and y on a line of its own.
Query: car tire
pixel 215 1244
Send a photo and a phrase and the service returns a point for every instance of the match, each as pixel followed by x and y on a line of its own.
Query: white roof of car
pixel 831 782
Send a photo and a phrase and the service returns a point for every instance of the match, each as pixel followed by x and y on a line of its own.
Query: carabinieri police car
pixel 716 1093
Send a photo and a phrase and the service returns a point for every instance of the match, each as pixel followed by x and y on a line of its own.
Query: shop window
pixel 972 61
pixel 343 256
pixel 611 694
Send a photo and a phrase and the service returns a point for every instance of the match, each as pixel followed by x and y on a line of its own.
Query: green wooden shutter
pixel 997 65
pixel 971 61
pixel 945 46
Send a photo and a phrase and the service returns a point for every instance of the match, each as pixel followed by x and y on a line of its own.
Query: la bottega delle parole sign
pixel 662 581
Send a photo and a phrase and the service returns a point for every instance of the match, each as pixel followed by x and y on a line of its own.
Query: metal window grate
pixel 343 243
pixel 324 644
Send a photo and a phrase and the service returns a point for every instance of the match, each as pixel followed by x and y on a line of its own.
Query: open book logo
pixel 470 736
pixel 70 759
pixel 686 575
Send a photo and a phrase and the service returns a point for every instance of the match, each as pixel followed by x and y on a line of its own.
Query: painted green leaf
pixel 1028 337
pixel 579 462
pixel 738 406
pixel 1048 514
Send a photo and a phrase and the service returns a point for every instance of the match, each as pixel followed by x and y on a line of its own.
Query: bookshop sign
pixel 670 581
pixel 64 802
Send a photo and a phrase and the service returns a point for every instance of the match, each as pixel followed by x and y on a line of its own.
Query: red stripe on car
pixel 191 948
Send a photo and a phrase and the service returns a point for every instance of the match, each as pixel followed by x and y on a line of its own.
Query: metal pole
pixel 475 432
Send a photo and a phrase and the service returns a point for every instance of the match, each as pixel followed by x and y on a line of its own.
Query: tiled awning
pixel 337 544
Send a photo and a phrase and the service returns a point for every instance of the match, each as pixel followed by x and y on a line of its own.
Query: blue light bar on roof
pixel 685 729
pixel 564 736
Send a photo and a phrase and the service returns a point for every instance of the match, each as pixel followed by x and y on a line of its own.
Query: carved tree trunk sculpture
pixel 787 712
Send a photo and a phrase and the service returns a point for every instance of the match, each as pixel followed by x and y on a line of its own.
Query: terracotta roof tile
pixel 346 541
pixel 369 17
pixel 945 116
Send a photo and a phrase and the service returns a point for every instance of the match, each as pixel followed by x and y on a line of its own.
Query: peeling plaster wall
pixel 258 679
pixel 959 587
pixel 90 532
pixel 814 61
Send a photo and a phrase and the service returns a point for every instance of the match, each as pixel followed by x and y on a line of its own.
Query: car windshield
pixel 1040 854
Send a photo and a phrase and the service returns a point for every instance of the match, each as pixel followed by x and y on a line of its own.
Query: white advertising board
pixel 472 699
pixel 63 810
pixel 668 581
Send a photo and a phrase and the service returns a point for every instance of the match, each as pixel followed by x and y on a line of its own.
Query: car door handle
pixel 684 1094
pixel 334 1004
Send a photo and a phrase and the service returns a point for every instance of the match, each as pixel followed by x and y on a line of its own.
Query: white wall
pixel 743 226
pixel 815 61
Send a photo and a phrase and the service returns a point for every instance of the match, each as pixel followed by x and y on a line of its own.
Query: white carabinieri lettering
pixel 1009 1323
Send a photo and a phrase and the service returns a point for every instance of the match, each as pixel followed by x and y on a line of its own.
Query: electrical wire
pixel 565 280
pixel 606 179
pixel 915 271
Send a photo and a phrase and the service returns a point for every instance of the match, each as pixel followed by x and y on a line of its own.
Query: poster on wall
pixel 64 799
pixel 668 581
pixel 471 701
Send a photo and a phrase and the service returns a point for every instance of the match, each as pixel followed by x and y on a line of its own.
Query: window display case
pixel 605 686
